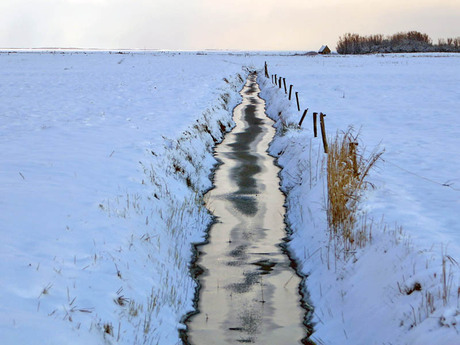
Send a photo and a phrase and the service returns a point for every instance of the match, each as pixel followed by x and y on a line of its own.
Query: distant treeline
pixel 402 42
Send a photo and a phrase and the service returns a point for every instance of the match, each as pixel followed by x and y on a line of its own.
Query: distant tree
pixel 412 41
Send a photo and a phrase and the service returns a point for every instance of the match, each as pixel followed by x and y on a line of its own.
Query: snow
pixel 97 151
pixel 105 157
pixel 406 105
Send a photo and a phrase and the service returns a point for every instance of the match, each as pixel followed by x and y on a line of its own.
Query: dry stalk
pixel 346 173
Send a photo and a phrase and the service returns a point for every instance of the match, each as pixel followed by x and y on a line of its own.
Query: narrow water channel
pixel 249 291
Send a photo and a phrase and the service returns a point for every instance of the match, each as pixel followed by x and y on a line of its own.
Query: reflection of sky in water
pixel 250 319
pixel 248 162
pixel 244 204
pixel 249 303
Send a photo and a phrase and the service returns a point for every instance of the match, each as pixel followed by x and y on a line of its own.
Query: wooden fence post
pixel 272 80
pixel 284 83
pixel 323 131
pixel 266 70
pixel 352 147
pixel 303 116
pixel 315 131
pixel 279 82
pixel 297 98
pixel 276 80
pixel 290 91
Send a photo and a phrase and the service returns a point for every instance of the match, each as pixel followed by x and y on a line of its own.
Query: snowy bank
pixel 105 158
pixel 402 287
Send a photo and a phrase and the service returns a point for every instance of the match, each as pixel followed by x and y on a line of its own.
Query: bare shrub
pixel 401 42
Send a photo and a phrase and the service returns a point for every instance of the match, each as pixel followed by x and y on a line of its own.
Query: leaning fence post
pixel 276 80
pixel 352 147
pixel 323 131
pixel 303 116
pixel 315 131
pixel 297 98
pixel 290 91
pixel 266 70
pixel 284 83
pixel 279 82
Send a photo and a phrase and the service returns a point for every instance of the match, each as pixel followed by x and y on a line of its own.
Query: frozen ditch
pixel 249 291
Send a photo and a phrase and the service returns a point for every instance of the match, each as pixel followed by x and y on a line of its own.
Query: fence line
pixel 303 117
pixel 352 145
pixel 281 81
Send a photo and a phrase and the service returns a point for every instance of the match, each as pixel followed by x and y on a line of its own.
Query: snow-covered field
pixel 105 157
pixel 98 152
pixel 408 106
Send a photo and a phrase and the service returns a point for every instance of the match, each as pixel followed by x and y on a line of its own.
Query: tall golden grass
pixel 347 170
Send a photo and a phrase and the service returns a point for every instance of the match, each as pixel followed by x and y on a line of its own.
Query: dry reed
pixel 347 170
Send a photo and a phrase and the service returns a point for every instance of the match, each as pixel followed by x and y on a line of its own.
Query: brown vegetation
pixel 402 42
pixel 346 174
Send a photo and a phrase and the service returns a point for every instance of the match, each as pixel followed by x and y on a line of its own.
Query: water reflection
pixel 249 291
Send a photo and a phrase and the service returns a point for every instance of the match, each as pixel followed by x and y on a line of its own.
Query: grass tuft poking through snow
pixel 346 179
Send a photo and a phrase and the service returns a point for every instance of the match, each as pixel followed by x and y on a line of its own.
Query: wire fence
pixel 280 82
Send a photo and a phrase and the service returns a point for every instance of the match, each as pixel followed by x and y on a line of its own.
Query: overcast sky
pixel 216 24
